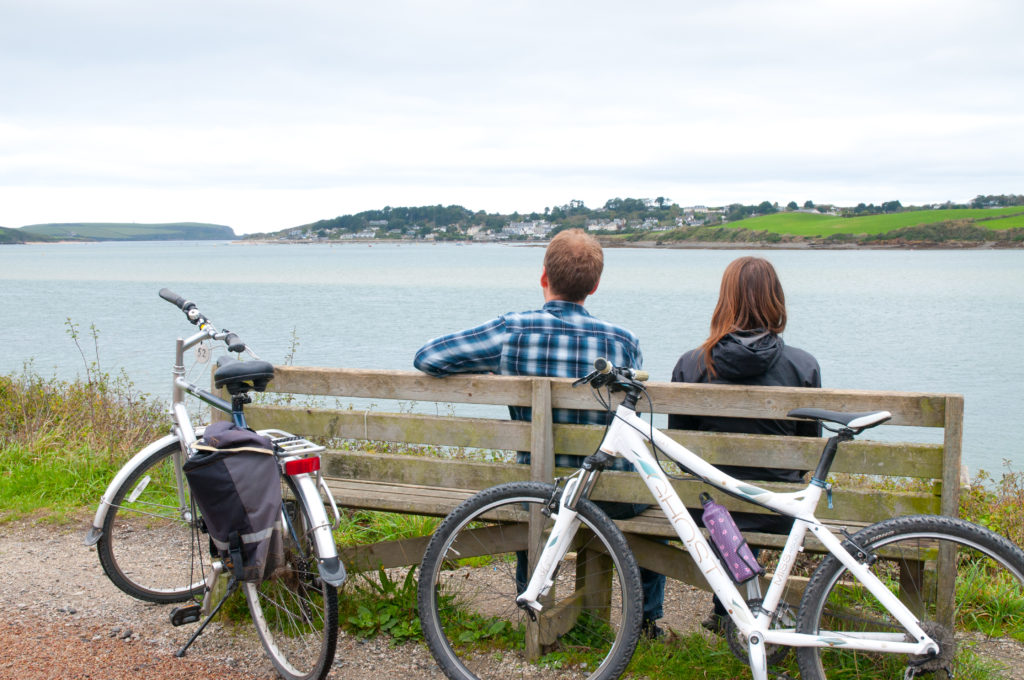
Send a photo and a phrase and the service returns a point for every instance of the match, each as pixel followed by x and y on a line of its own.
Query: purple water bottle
pixel 728 542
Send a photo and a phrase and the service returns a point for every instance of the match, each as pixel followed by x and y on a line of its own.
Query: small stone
pixel 126 633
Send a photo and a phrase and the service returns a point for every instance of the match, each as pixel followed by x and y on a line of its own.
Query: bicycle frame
pixel 627 437
pixel 306 486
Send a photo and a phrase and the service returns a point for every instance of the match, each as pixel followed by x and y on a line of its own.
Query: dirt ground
pixel 60 617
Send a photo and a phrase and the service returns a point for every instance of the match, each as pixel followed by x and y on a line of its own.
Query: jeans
pixel 652 583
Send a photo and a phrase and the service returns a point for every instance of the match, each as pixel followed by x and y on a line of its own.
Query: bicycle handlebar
pixel 175 299
pixel 196 318
pixel 605 373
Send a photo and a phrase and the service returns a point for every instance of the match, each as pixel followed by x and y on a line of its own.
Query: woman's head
pixel 750 297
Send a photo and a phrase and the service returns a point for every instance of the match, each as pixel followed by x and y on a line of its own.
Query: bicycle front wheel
pixel 964 583
pixel 146 547
pixel 475 566
pixel 294 610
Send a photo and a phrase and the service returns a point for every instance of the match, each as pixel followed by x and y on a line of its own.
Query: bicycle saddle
pixel 241 376
pixel 854 421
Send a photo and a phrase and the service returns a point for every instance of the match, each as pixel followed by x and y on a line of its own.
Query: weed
pixel 379 604
pixel 996 504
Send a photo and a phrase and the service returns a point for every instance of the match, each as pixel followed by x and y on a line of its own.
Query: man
pixel 559 340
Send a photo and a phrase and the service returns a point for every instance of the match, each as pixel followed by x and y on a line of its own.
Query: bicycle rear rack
pixel 292 445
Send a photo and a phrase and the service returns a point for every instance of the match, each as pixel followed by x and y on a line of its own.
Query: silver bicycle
pixel 149 533
pixel 906 596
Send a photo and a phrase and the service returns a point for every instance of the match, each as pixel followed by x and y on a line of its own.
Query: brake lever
pixel 585 379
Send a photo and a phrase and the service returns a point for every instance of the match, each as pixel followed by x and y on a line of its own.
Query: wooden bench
pixel 434 485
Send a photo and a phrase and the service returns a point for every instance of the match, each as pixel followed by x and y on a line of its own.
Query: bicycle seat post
pixel 828 455
pixel 238 402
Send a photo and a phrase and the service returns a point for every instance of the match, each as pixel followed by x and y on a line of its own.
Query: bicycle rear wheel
pixel 468 586
pixel 146 546
pixel 980 629
pixel 295 611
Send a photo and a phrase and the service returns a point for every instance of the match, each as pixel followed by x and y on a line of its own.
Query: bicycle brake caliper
pixel 551 506
pixel 857 550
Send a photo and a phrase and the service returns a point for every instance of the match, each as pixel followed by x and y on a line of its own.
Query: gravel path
pixel 61 618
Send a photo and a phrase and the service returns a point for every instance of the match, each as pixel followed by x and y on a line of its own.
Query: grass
pixel 811 224
pixel 62 441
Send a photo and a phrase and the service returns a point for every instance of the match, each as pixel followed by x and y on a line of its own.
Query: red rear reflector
pixel 302 466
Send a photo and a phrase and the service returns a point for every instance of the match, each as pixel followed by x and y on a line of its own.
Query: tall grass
pixel 62 441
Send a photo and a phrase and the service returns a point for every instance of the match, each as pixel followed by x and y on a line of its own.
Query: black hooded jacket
pixel 750 358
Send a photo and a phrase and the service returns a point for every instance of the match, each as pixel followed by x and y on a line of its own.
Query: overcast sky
pixel 264 115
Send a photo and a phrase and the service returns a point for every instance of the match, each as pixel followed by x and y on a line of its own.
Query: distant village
pixel 632 218
pixel 526 230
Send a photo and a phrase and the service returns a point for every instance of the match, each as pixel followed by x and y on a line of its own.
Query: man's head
pixel 572 266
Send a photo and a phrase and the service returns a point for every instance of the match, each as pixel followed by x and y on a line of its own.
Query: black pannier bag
pixel 235 481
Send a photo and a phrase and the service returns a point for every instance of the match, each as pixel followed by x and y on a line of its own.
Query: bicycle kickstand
pixel 232 586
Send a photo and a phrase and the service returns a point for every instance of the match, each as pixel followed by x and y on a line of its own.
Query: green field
pixel 810 224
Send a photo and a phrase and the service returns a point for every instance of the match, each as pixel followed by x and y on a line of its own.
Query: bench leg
pixel 594 580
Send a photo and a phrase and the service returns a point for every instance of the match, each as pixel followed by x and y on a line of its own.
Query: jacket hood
pixel 745 354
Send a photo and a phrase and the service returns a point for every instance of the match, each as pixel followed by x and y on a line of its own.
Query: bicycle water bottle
pixel 728 542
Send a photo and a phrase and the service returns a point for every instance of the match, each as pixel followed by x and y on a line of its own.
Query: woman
pixel 744 348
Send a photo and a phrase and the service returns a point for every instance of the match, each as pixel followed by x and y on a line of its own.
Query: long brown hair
pixel 750 297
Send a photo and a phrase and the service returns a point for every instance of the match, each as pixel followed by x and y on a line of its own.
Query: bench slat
pixel 858 457
pixel 428 486
pixel 909 408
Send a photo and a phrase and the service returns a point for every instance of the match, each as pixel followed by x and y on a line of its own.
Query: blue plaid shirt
pixel 560 340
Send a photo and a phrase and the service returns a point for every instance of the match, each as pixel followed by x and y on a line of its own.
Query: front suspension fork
pixel 567 522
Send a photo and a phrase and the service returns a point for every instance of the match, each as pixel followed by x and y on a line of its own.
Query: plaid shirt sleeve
pixel 476 350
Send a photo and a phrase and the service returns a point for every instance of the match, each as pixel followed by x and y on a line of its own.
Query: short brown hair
pixel 573 262
pixel 751 297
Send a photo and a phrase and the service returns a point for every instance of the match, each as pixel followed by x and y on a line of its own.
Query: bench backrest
pixel 937 464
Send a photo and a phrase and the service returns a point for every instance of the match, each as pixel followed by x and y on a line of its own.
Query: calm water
pixel 936 321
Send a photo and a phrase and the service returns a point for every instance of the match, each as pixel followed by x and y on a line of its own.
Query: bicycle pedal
pixel 182 615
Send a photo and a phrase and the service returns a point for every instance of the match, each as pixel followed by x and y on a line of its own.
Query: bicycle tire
pixel 295 611
pixel 147 540
pixel 469 614
pixel 988 601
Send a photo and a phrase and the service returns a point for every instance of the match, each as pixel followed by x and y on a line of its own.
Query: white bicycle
pixel 149 533
pixel 899 598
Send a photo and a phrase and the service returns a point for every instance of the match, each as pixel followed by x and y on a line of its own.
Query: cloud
pixel 257 114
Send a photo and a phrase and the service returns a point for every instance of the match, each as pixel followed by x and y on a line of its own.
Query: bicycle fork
pixel 567 523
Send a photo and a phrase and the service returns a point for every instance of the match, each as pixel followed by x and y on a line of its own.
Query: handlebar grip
pixel 641 376
pixel 602 365
pixel 175 299
pixel 234 343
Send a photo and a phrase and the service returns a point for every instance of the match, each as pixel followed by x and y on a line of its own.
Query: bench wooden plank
pixel 320 424
pixel 899 459
pixel 909 408
pixel 402 385
pixel 393 488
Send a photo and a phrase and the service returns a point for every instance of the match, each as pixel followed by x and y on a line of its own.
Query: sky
pixel 265 115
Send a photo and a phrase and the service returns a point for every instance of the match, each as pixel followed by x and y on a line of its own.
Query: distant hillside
pixel 11 236
pixel 105 231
